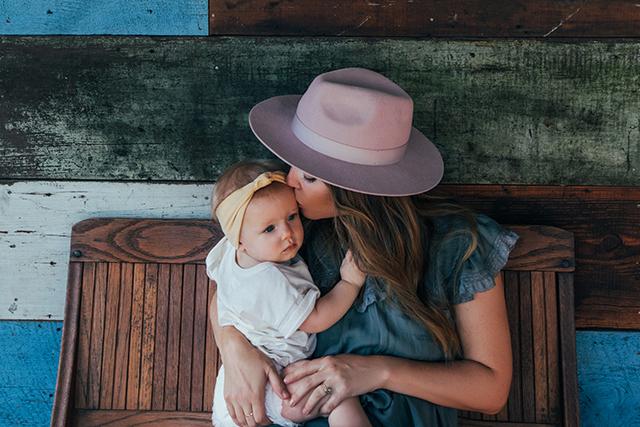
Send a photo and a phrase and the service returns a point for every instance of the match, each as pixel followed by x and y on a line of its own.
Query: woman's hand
pixel 331 379
pixel 247 371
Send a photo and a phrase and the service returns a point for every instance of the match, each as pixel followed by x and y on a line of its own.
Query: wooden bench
pixel 137 347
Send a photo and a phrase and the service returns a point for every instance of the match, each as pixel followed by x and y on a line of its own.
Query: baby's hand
pixel 350 272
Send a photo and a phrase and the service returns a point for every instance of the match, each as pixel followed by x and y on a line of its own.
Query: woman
pixel 429 332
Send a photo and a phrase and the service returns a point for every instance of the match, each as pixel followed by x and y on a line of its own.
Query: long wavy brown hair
pixel 386 235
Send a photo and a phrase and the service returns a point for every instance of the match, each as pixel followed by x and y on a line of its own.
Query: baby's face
pixel 271 229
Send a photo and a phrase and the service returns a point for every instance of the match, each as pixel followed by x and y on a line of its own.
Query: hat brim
pixel 418 171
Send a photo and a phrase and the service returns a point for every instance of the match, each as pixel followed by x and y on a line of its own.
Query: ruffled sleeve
pixel 461 280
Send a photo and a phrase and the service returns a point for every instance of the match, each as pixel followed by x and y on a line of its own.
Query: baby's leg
pixel 349 413
pixel 295 413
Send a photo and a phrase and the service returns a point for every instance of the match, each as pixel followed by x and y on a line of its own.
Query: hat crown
pixel 358 108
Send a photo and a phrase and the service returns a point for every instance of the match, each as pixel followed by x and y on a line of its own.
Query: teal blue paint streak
pixel 118 17
pixel 608 375
pixel 609 378
pixel 28 369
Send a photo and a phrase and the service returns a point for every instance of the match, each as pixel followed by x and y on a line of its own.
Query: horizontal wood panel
pixel 181 241
pixel 607 240
pixel 35 229
pixel 603 219
pixel 508 111
pixel 140 240
pixel 95 418
pixel 157 17
pixel 457 18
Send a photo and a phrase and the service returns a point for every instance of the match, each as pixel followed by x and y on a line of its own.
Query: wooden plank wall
pixel 513 93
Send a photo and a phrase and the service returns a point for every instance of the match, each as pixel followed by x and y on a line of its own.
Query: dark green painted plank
pixel 175 109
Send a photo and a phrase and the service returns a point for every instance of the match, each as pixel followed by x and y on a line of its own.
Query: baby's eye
pixel 269 229
pixel 309 178
pixel 292 216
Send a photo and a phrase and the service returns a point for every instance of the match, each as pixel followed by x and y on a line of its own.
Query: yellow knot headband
pixel 230 212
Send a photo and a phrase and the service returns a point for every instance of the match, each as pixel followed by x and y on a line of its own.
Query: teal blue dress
pixel 373 326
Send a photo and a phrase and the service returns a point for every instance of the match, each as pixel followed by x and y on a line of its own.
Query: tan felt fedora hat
pixel 352 128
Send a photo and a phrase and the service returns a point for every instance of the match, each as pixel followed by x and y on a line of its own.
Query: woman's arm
pixel 480 382
pixel 247 371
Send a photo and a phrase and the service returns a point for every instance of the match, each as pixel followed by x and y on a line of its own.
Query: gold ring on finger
pixel 327 390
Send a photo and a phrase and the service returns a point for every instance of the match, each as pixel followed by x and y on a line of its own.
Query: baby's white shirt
pixel 267 302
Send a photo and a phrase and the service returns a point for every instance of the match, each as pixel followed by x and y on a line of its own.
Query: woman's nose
pixel 292 178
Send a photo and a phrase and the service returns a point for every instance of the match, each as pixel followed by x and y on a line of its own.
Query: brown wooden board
pixel 604 221
pixel 148 336
pixel 85 418
pixel 162 322
pixel 451 19
pixel 67 366
pixel 124 336
pixel 110 332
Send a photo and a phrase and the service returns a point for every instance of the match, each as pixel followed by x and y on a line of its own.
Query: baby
pixel 265 289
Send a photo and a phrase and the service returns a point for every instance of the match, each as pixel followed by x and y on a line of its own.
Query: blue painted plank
pixel 608 374
pixel 28 369
pixel 117 17
pixel 609 378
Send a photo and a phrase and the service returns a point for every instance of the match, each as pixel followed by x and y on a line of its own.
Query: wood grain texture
pixel 110 332
pixel 86 418
pixel 148 336
pixel 124 337
pixel 157 17
pixel 186 337
pixel 67 360
pixel 199 340
pixel 459 18
pixel 97 336
pixel 162 325
pixel 84 335
pixel 135 341
pixel 510 111
pixel 604 221
pixel 35 229
pixel 28 365
pixel 571 415
pixel 135 240
pixel 173 339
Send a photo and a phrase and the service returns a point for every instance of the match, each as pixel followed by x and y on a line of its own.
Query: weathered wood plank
pixel 501 111
pixel 35 228
pixel 457 18
pixel 604 221
pixel 156 17
pixel 568 353
pixel 28 365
